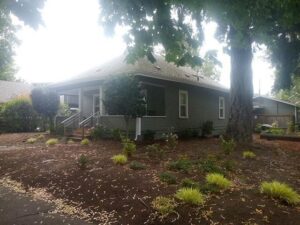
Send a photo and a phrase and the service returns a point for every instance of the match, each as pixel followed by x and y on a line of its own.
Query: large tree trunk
pixel 239 125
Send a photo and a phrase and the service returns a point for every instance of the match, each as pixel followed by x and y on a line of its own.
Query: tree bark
pixel 239 125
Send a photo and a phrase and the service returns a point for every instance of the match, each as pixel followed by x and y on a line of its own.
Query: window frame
pixel 186 105
pixel 221 98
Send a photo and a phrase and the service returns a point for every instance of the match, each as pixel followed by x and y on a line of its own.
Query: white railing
pixel 94 117
pixel 70 120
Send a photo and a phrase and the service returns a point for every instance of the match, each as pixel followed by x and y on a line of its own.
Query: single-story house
pixel 268 110
pixel 11 89
pixel 178 98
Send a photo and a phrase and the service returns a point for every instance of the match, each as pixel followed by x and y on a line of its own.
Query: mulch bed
pixel 127 193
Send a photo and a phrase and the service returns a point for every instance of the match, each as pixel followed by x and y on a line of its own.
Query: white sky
pixel 72 41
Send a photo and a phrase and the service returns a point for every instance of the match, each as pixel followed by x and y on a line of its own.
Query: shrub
pixel 129 147
pixel 248 155
pixel 51 142
pixel 167 178
pixel 190 195
pixel 164 205
pixel 171 140
pixel 31 140
pixel 258 128
pixel 119 159
pixel 189 183
pixel 291 127
pixel 82 161
pixel 207 188
pixel 276 131
pixel 101 132
pixel 229 165
pixel 155 151
pixel 209 166
pixel 85 142
pixel 149 135
pixel 218 180
pixel 281 191
pixel 180 165
pixel 137 165
pixel 228 146
pixel 207 128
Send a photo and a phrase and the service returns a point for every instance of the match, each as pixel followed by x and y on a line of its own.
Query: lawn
pixel 85 177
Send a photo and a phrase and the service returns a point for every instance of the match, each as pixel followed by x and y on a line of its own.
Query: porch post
pixel 80 106
pixel 101 109
pixel 138 127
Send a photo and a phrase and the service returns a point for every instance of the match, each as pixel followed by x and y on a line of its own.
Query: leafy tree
pixel 124 96
pixel 210 66
pixel 177 25
pixel 46 103
pixel 292 94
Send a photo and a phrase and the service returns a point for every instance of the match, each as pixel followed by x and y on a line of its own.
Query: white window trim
pixel 222 99
pixel 187 104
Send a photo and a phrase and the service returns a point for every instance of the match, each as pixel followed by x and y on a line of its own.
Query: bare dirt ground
pixel 112 194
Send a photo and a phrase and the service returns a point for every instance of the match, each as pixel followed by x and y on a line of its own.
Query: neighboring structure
pixel 268 110
pixel 10 90
pixel 177 97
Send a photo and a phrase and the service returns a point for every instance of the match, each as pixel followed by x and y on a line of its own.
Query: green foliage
pixel 228 146
pixel 155 151
pixel 167 178
pixel 51 142
pixel 209 188
pixel 183 165
pixel 258 128
pixel 82 161
pixel 64 110
pixel 100 132
pixel 189 183
pixel 18 115
pixel 119 159
pixel 281 191
pixel 190 195
pixel 209 165
pixel 229 165
pixel 171 140
pixel 207 128
pixel 291 127
pixel 135 165
pixel 85 142
pixel 129 147
pixel 218 180
pixel 149 135
pixel 248 155
pixel 276 131
pixel 31 140
pixel 164 205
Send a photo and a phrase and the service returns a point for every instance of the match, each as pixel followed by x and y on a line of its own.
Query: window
pixel 183 104
pixel 155 100
pixel 221 108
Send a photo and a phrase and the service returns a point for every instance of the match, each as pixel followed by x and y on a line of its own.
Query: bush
pixel 31 140
pixel 164 205
pixel 85 142
pixel 171 140
pixel 209 166
pixel 119 159
pixel 101 132
pixel 276 131
pixel 82 161
pixel 228 146
pixel 180 165
pixel 281 191
pixel 18 115
pixel 51 142
pixel 207 128
pixel 189 183
pixel 167 178
pixel 155 151
pixel 190 195
pixel 291 127
pixel 129 147
pixel 149 135
pixel 258 128
pixel 137 165
pixel 248 155
pixel 218 180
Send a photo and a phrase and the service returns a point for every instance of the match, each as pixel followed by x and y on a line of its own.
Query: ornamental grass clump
pixel 119 159
pixel 167 178
pixel 31 140
pixel 248 155
pixel 164 205
pixel 189 183
pixel 135 165
pixel 190 195
pixel 52 142
pixel 281 191
pixel 82 161
pixel 218 180
pixel 85 142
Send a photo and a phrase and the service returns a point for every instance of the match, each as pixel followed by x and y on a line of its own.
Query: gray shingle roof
pixel 10 90
pixel 160 70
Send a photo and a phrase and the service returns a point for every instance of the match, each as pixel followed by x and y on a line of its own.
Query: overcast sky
pixel 72 41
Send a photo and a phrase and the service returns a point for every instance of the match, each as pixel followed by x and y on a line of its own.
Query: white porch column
pixel 80 105
pixel 101 108
pixel 138 127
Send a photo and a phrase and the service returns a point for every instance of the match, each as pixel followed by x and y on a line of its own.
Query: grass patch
pixel 190 195
pixel 85 142
pixel 281 191
pixel 218 180
pixel 167 178
pixel 135 165
pixel 31 140
pixel 51 142
pixel 119 159
pixel 189 183
pixel 164 205
pixel 183 165
pixel 248 155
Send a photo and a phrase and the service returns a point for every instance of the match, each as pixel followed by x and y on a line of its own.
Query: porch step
pixel 77 134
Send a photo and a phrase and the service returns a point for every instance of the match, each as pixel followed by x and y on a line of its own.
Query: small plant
pixel 164 205
pixel 40 137
pixel 70 141
pixel 281 191
pixel 183 165
pixel 291 127
pixel 51 142
pixel 129 147
pixel 229 165
pixel 155 151
pixel 85 142
pixel 171 140
pixel 167 178
pixel 119 159
pixel 101 132
pixel 31 140
pixel 207 128
pixel 218 180
pixel 189 183
pixel 209 188
pixel 82 161
pixel 248 155
pixel 228 146
pixel 276 131
pixel 135 165
pixel 190 195
pixel 209 166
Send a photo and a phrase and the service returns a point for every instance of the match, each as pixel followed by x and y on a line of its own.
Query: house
pixel 268 110
pixel 177 97
pixel 11 89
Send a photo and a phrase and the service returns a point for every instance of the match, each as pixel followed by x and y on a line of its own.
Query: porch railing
pixel 92 120
pixel 71 122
